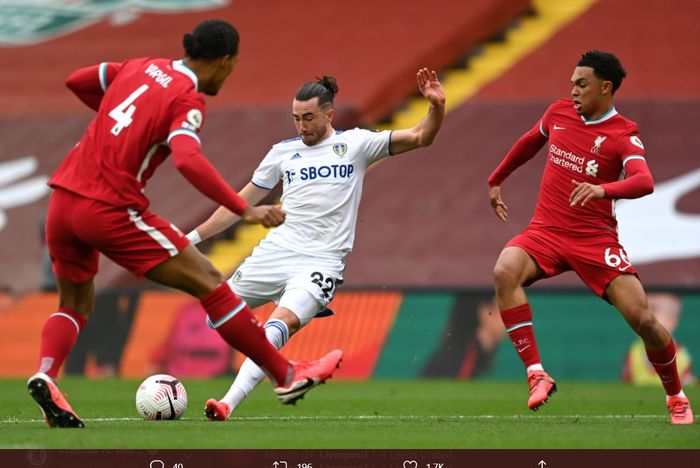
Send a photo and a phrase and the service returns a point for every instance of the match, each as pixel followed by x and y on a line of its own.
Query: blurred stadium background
pixel 417 297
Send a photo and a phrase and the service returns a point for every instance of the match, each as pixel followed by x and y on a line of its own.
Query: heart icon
pixel 410 464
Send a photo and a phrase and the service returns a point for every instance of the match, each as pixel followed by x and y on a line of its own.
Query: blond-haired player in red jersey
pixel 594 156
pixel 147 109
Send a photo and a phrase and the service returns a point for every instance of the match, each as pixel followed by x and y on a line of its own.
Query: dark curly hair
pixel 605 66
pixel 211 39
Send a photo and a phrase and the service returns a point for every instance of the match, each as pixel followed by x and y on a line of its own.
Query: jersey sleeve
pixel 545 121
pixel 108 71
pixel 638 180
pixel 90 83
pixel 524 149
pixel 268 172
pixel 188 117
pixel 630 145
pixel 374 145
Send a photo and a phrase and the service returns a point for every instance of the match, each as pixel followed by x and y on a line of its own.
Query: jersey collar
pixel 179 65
pixel 608 115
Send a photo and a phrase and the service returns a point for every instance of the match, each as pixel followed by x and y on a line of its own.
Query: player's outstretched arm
pixel 223 217
pixel 423 133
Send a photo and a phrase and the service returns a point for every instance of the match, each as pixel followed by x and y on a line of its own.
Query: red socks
pixel 58 336
pixel 518 322
pixel 234 321
pixel 664 361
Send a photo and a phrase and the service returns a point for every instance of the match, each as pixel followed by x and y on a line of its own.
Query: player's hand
pixel 267 215
pixel 583 192
pixel 430 87
pixel 497 204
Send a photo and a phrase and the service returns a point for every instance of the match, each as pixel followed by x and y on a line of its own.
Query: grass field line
pixel 375 417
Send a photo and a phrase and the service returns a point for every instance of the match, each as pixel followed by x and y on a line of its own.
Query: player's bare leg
pixel 189 271
pixel 513 269
pixel 58 337
pixel 627 294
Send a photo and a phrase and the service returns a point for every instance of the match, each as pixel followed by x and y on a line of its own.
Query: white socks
pixel 250 375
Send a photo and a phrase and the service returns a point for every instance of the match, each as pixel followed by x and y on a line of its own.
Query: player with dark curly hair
pixel 594 157
pixel 147 109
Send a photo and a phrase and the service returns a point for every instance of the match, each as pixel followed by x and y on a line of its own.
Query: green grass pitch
pixel 411 414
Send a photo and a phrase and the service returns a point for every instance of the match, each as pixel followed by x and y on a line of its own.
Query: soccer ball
pixel 161 396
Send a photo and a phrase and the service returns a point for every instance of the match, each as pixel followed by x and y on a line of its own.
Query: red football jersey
pixel 592 151
pixel 146 104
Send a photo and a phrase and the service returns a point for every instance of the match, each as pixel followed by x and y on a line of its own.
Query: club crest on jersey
pixel 340 149
pixel 237 276
pixel 637 142
pixel 194 116
pixel 597 144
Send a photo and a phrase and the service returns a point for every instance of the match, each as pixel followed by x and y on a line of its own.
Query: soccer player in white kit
pixel 299 264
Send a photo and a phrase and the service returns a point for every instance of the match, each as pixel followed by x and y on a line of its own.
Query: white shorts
pixel 272 270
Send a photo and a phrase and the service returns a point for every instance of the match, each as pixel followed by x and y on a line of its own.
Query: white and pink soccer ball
pixel 161 396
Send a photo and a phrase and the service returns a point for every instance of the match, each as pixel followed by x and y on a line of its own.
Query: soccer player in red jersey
pixel 148 108
pixel 594 156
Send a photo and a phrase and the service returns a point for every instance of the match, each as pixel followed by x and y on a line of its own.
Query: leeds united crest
pixel 340 149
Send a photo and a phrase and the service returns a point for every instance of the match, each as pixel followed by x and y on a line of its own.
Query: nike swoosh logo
pixel 520 350
pixel 557 127
pixel 308 383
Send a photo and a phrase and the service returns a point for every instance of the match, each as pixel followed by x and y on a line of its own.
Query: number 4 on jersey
pixel 124 111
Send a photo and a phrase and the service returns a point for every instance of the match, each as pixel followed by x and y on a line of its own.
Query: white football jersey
pixel 321 188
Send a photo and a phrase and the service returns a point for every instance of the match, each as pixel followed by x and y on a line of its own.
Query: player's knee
pixel 504 277
pixel 215 275
pixel 210 274
pixel 644 323
pixel 204 282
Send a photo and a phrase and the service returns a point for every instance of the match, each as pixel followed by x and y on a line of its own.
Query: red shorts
pixel 78 228
pixel 596 259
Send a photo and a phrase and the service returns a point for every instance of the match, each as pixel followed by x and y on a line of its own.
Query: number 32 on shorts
pixel 327 283
pixel 617 260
